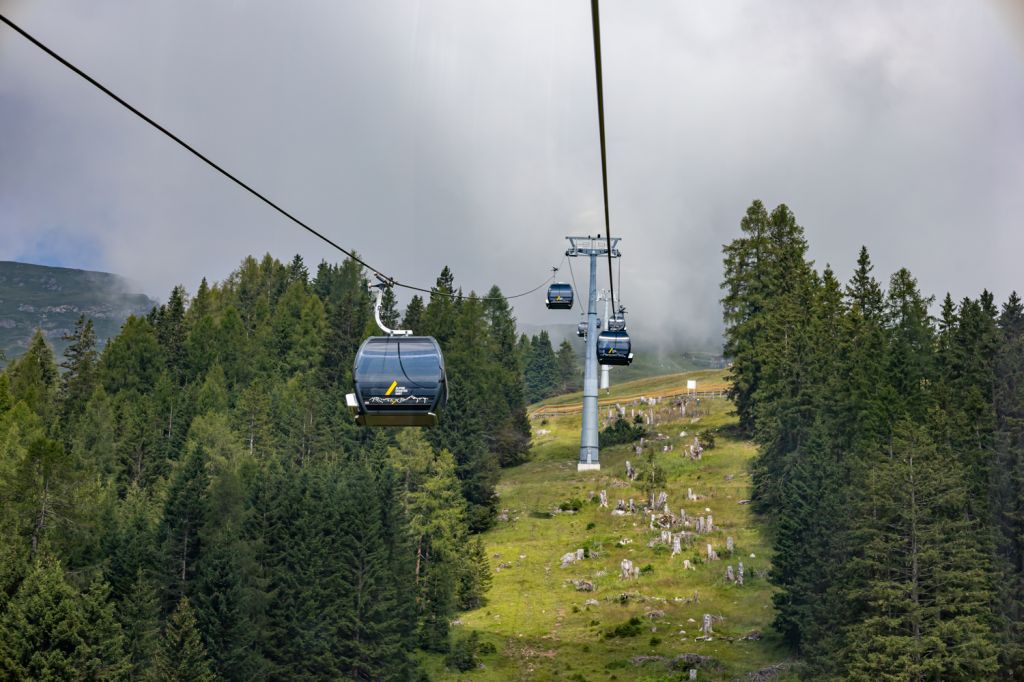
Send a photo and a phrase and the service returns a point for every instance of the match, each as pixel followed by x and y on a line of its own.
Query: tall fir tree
pixel 181 656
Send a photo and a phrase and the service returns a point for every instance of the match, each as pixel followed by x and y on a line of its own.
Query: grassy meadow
pixel 542 628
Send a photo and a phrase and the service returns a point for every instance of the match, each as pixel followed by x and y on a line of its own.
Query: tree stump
pixel 729 576
pixel 626 569
pixel 676 547
pixel 739 574
pixel 729 546
pixel 604 498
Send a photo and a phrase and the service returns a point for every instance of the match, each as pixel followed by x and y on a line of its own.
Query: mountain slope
pixel 52 298
pixel 542 628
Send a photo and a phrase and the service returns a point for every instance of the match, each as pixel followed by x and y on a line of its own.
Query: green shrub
pixel 631 628
pixel 621 432
pixel 574 504
pixel 462 655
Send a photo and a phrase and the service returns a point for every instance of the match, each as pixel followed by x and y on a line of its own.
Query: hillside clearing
pixel 542 628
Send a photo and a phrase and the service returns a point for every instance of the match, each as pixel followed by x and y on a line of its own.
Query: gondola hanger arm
pixel 385 283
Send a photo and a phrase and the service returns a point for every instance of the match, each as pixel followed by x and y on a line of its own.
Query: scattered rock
pixel 766 674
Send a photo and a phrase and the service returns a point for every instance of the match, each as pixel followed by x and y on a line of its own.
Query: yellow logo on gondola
pixel 391 388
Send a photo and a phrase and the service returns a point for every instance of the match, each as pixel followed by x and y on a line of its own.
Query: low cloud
pixel 465 134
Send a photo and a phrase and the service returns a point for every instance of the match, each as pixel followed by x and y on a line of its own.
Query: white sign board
pixel 691 384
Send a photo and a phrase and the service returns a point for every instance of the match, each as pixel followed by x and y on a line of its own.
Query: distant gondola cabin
pixel 559 296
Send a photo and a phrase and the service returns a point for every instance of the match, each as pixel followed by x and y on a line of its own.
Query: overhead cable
pixel 604 156
pixel 205 159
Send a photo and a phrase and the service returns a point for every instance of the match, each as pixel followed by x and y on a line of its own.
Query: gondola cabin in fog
pixel 613 348
pixel 581 327
pixel 559 296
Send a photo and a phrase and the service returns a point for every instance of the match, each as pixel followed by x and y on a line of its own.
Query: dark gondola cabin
pixel 616 323
pixel 581 327
pixel 613 348
pixel 559 296
pixel 399 381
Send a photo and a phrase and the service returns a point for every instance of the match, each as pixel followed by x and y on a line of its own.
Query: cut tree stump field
pixel 644 587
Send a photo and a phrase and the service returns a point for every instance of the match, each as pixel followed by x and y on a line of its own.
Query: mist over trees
pixel 891 464
pixel 194 502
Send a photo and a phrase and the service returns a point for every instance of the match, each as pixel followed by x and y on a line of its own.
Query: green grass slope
pixel 542 628
pixel 707 380
pixel 52 298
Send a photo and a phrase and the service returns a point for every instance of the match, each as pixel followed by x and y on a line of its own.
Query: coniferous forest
pixel 194 502
pixel 891 464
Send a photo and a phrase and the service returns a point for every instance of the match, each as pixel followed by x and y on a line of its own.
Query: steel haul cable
pixel 604 156
pixel 195 152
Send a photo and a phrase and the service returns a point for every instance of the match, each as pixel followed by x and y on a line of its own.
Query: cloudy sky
pixel 465 133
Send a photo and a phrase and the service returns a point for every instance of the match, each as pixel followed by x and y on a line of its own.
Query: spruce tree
pixel 509 436
pixel 133 359
pixel 48 630
pixel 181 656
pixel 183 516
pixel 33 378
pixel 413 318
pixel 171 331
pixel 927 586
pixel 1007 488
pixel 569 376
pixel 542 370
pixel 81 373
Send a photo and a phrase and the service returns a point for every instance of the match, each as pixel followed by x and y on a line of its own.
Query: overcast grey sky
pixel 464 133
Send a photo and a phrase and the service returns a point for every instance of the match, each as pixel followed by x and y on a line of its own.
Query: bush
pixel 707 439
pixel 631 628
pixel 647 569
pixel 487 648
pixel 574 504
pixel 591 526
pixel 655 641
pixel 462 655
pixel 622 432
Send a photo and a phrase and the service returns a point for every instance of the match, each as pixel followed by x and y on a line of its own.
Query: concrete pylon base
pixel 584 466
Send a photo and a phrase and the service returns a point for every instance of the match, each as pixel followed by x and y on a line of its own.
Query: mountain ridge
pixel 51 298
